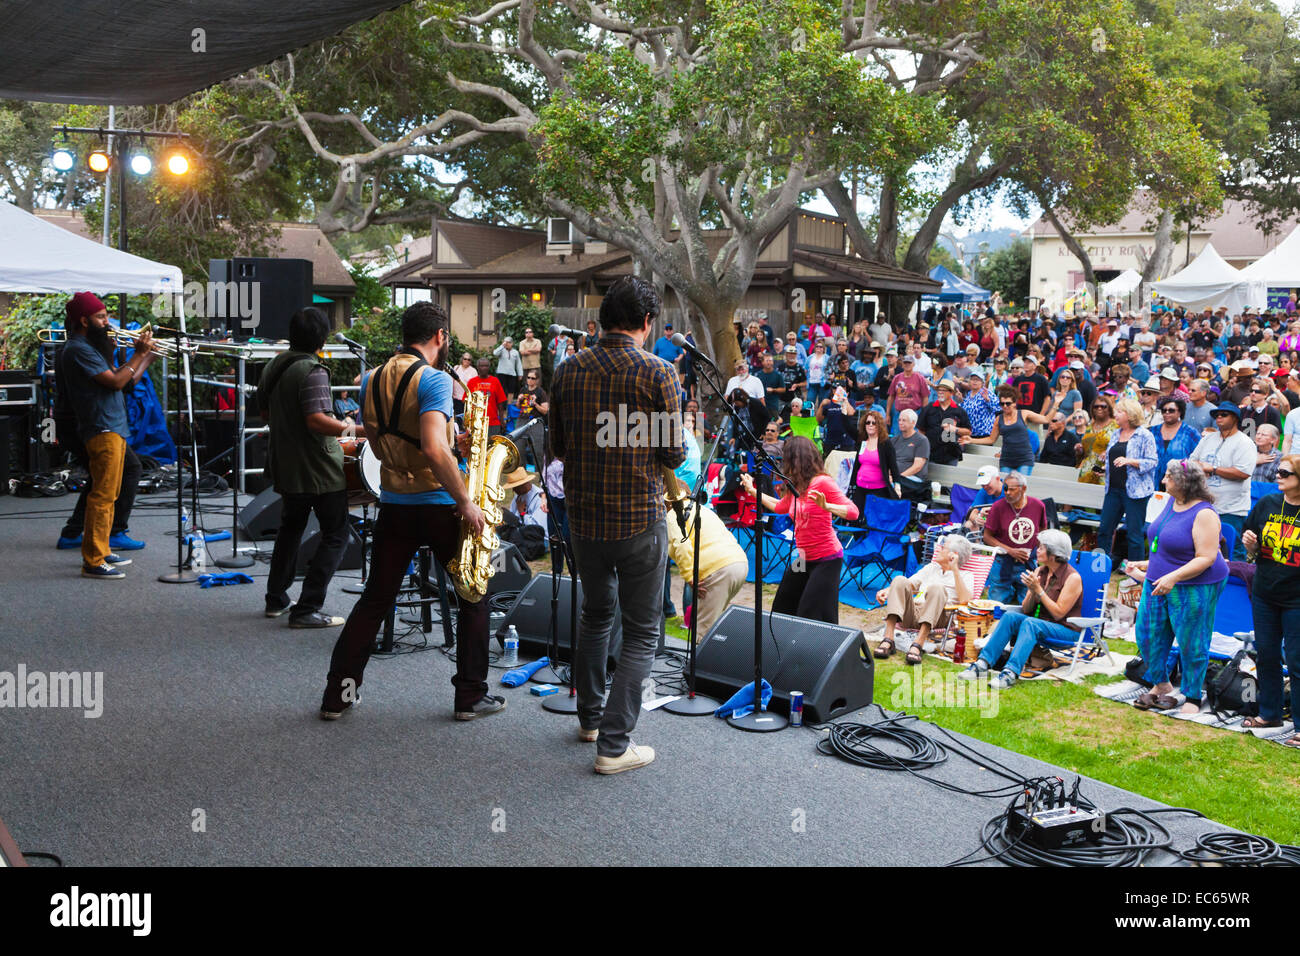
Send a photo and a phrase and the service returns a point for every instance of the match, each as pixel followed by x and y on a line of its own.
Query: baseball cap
pixel 976 373
pixel 668 325
pixel 986 474
pixel 1076 364
pixel 1253 348
pixel 907 358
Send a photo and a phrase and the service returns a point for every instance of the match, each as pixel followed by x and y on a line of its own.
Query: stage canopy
pixel 1209 281
pixel 955 289
pixel 37 256
pixel 154 51
pixel 1280 269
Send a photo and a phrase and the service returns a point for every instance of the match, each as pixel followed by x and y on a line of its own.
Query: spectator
pixel 1180 588
pixel 1055 591
pixel 497 400
pixel 810 588
pixel 794 380
pixel 875 468
pixel 1017 452
pixel 1013 525
pixel 909 389
pixel 1272 537
pixel 1092 468
pixel 919 601
pixel 1199 413
pixel 944 423
pixel 1228 459
pixel 1067 397
pixel 530 353
pixel 981 406
pixel 510 366
pixel 750 419
pixel 912 455
pixel 840 420
pixel 1131 461
pixel 1268 459
pixel 1257 411
pixel 723 565
pixel 745 381
pixel 773 383
pixel 818 371
pixel 1059 443
pixel 1174 439
pixel 346 407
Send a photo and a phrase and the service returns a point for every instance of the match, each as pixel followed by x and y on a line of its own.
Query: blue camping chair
pixel 1233 612
pixel 1259 489
pixel 961 499
pixel 1094 568
pixel 1229 535
pixel 882 545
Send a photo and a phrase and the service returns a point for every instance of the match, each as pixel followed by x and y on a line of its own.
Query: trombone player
pixel 94 391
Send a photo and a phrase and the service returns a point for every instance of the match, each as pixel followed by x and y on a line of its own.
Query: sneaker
pixel 314 620
pixel 334 709
pixel 1003 680
pixel 67 544
pixel 105 572
pixel 117 561
pixel 123 542
pixel 974 669
pixel 629 759
pixel 274 610
pixel 485 707
pixel 588 736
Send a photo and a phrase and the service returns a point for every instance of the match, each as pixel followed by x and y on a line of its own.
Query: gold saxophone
pixel 489 459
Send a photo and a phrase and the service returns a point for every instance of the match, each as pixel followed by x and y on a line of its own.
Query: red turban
pixel 80 306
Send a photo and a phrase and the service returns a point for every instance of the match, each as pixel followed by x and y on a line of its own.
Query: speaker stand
pixel 759 722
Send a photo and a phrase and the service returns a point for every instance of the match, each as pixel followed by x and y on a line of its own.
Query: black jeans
pixel 813 592
pixel 332 513
pixel 76 523
pixel 1277 637
pixel 399 532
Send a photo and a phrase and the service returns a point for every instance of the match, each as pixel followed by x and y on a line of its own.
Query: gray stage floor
pixel 208 706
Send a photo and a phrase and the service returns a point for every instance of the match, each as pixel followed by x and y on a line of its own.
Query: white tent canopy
pixel 1122 284
pixel 1280 268
pixel 1209 281
pixel 37 256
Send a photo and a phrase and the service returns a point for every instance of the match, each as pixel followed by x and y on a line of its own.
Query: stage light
pixel 178 164
pixel 63 160
pixel 98 161
pixel 141 164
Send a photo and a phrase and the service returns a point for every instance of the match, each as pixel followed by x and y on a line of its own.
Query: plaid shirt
pixel 612 456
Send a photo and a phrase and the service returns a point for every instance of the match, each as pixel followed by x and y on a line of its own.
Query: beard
pixel 101 340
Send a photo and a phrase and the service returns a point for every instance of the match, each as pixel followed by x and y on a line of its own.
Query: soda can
pixel 796 708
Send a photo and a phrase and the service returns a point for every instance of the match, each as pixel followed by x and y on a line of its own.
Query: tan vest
pixel 404 469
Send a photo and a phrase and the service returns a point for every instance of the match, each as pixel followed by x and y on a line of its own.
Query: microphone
pixel 562 330
pixel 519 432
pixel 354 346
pixel 679 340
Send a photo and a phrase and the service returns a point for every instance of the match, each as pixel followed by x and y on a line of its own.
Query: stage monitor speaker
pixel 513 572
pixel 531 616
pixel 820 659
pixel 257 296
pixel 260 518
pixel 351 560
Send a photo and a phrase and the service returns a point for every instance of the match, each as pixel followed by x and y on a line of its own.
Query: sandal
pixel 1145 701
pixel 1259 723
pixel 1292 741
pixel 918 650
pixel 884 649
pixel 1165 702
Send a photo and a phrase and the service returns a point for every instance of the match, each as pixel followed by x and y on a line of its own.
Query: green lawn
pixel 1235 779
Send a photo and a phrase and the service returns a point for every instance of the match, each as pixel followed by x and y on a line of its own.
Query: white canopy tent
pixel 1209 281
pixel 1122 284
pixel 37 256
pixel 1280 269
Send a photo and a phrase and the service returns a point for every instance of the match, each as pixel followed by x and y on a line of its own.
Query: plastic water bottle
pixel 511 656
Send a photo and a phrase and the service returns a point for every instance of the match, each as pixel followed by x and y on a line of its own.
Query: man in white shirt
pixel 742 379
pixel 919 601
pixel 1228 458
pixel 922 364
pixel 1110 338
pixel 881 331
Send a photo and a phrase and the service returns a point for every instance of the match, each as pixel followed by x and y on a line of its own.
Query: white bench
pixel 1065 492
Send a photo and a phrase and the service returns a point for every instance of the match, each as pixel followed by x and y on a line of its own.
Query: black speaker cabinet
pixel 531 616
pixel 512 572
pixel 821 660
pixel 260 518
pixel 254 298
pixel 351 560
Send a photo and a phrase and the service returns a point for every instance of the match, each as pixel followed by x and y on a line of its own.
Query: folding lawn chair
pixel 881 545
pixel 1094 568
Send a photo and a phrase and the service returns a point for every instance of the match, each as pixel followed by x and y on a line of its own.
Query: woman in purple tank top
pixel 1182 581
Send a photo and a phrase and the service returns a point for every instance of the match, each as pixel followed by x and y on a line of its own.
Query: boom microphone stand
pixel 759 720
pixel 182 574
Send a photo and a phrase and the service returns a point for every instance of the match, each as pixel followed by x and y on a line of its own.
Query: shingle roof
pixel 304 240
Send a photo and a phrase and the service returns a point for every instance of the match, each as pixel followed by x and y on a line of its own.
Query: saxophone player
pixel 406 404
pixel 614 489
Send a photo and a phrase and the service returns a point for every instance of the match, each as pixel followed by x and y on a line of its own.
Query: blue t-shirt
pixel 98 408
pixel 665 349
pixel 435 396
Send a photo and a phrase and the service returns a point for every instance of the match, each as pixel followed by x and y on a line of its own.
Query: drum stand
pixel 419 585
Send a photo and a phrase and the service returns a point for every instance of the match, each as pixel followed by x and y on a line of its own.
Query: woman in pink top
pixel 810 587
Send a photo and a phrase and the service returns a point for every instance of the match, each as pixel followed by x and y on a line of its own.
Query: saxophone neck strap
pixel 389 424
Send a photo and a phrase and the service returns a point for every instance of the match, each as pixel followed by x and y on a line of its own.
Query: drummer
pixel 305 462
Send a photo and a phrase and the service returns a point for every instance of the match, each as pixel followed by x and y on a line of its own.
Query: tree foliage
pixel 1007 271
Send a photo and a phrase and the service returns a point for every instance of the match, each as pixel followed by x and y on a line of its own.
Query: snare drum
pixel 361 469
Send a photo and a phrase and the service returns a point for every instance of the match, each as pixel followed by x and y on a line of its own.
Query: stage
pixel 209 750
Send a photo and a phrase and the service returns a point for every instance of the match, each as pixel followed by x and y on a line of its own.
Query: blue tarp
pixel 955 289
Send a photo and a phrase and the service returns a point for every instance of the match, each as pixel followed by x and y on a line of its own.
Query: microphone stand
pixel 185 574
pixel 759 720
pixel 554 673
pixel 696 705
pixel 237 560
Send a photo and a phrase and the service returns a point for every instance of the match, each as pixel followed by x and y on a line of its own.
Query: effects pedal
pixel 1055 827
